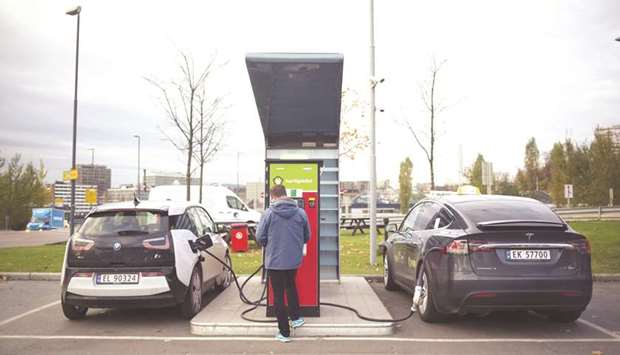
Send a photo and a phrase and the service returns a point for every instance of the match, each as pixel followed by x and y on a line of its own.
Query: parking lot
pixel 31 322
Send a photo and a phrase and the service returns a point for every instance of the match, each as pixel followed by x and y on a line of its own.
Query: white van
pixel 223 204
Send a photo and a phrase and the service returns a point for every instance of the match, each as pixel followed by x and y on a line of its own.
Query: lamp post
pixel 372 199
pixel 74 12
pixel 138 185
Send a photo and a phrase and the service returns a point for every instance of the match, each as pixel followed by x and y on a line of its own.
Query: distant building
pixel 120 194
pixel 613 132
pixel 159 178
pixel 62 196
pixel 95 175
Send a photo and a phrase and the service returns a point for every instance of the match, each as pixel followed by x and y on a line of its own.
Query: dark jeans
pixel 281 281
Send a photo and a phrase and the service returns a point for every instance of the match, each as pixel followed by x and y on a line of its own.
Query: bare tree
pixel 179 98
pixel 210 129
pixel 433 107
pixel 352 140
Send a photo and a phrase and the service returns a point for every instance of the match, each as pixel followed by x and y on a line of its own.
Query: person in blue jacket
pixel 282 231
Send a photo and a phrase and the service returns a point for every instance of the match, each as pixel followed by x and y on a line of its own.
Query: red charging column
pixel 308 273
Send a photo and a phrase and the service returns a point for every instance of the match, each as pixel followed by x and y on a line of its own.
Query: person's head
pixel 277 192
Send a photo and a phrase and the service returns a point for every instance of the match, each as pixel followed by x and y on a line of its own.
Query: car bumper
pixel 150 291
pixel 466 293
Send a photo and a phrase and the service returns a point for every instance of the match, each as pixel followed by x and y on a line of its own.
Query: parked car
pixel 143 254
pixel 224 205
pixel 479 253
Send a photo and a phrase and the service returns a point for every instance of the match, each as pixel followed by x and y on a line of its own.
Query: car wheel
pixel 193 298
pixel 564 316
pixel 228 276
pixel 73 312
pixel 388 276
pixel 426 308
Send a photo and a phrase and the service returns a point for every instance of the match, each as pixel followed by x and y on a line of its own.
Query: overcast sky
pixel 515 69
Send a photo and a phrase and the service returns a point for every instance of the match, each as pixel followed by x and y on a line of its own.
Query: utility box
pixel 239 237
pixel 298 97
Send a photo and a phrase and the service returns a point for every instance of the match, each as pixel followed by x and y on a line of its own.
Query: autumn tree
pixel 532 165
pixel 404 180
pixel 558 173
pixel 605 174
pixel 475 173
pixel 352 138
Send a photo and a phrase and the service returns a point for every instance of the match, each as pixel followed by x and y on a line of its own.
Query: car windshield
pixel 116 223
pixel 509 210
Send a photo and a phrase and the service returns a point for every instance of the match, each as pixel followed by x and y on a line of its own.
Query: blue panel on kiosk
pixel 298 98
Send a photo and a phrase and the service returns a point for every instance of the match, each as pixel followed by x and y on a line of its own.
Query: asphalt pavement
pixel 9 239
pixel 31 322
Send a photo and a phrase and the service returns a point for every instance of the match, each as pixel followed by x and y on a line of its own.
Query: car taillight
pixel 583 246
pixel 159 243
pixel 457 247
pixel 80 244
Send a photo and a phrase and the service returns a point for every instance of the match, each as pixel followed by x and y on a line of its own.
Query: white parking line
pixel 599 328
pixel 270 339
pixel 9 320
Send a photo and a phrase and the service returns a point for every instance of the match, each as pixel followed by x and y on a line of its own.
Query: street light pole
pixel 372 200
pixel 138 185
pixel 74 12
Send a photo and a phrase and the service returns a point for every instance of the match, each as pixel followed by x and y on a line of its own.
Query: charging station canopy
pixel 298 98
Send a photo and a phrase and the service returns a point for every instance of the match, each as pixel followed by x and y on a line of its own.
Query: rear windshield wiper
pixel 521 223
pixel 132 232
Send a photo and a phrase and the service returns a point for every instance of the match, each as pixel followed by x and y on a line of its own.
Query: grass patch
pixel 603 235
pixel 44 258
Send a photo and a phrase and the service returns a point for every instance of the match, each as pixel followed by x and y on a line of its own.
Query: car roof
pixel 173 208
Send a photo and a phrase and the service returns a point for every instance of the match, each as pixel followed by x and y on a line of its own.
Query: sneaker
pixel 297 323
pixel 281 338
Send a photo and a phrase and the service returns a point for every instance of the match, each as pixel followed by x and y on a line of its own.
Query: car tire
pixel 388 275
pixel 427 311
pixel 192 304
pixel 564 316
pixel 73 312
pixel 228 276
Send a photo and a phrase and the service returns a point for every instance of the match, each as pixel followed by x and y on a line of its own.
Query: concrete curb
pixel 55 276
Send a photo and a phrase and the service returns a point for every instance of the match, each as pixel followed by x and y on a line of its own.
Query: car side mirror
pixel 391 228
pixel 222 228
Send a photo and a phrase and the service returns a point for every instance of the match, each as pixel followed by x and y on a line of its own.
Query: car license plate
pixel 528 254
pixel 106 279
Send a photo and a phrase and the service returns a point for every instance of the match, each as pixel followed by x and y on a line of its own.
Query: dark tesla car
pixel 478 253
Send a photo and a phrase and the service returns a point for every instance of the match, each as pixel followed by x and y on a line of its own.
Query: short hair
pixel 278 191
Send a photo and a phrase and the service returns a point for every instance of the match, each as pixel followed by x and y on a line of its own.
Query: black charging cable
pixel 263 297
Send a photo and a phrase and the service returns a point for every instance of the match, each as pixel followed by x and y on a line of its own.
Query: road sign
pixel 69 175
pixel 91 196
pixel 487 173
pixel 568 191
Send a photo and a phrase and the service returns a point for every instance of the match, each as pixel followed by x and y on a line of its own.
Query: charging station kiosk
pixel 298 100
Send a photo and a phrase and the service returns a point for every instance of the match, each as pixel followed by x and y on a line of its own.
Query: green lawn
pixel 604 237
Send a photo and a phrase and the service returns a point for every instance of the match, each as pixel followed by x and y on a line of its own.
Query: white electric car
pixel 143 254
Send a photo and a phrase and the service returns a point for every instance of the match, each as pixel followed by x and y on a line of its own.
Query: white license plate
pixel 528 254
pixel 103 279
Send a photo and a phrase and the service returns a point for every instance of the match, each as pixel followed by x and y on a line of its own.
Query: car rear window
pixel 123 223
pixel 487 211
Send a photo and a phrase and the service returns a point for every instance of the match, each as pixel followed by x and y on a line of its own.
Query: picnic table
pixel 361 222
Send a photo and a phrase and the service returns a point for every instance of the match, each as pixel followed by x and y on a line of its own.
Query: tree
pixel 558 173
pixel 352 140
pixel 179 101
pixel 404 180
pixel 521 182
pixel 21 189
pixel 210 129
pixel 433 106
pixel 580 173
pixel 604 166
pixel 503 186
pixel 532 167
pixel 475 173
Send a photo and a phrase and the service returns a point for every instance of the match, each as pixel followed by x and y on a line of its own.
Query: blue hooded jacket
pixel 283 230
